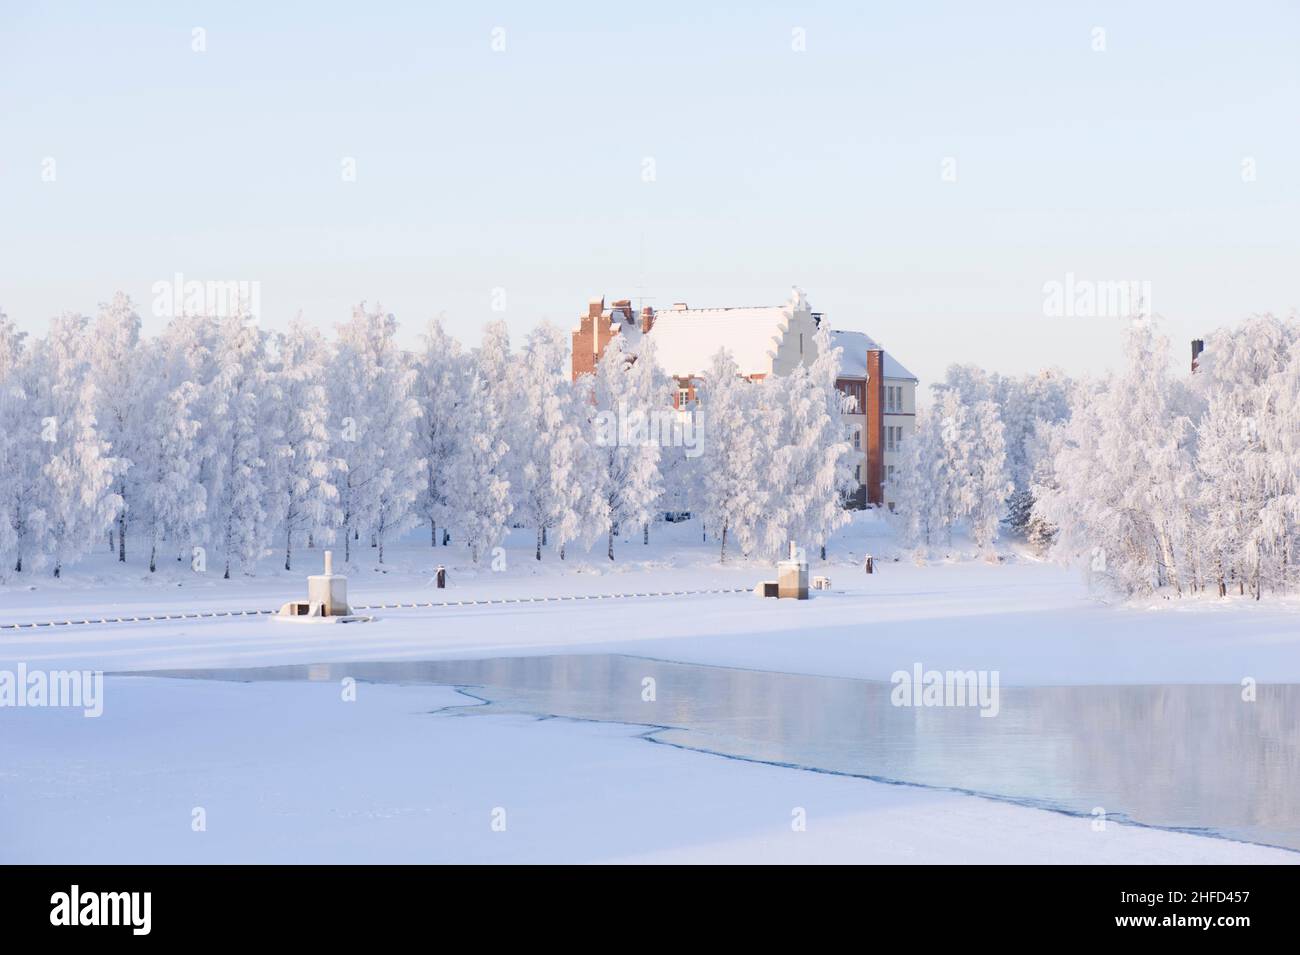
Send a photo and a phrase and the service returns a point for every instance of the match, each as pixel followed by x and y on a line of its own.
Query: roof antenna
pixel 641 297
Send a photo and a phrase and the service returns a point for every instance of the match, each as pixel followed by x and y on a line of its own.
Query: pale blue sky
pixel 522 169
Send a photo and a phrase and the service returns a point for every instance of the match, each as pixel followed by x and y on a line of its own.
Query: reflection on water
pixel 1194 757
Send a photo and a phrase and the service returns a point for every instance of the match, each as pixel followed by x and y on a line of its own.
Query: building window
pixel 857 474
pixel 857 440
pixel 889 438
pixel 856 392
pixel 683 397
pixel 889 476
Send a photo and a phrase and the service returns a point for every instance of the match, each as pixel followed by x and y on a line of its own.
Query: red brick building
pixel 768 340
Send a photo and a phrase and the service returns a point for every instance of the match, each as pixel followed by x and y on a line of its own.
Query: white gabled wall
pixel 796 346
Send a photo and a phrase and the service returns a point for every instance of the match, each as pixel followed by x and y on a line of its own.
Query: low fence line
pixel 425 605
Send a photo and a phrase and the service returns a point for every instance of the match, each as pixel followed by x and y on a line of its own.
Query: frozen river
pixel 1191 757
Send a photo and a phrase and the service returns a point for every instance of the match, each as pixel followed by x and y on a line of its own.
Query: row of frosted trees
pixel 219 438
pixel 1185 483
pixel 972 459
pixel 1152 479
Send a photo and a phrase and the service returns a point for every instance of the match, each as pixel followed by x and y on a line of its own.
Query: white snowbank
pixel 289 772
pixel 286 772
pixel 1034 623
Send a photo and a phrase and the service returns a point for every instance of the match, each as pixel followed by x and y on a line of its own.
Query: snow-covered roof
pixel 853 358
pixel 630 329
pixel 686 339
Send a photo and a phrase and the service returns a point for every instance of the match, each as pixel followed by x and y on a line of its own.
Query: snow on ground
pixel 288 772
pixel 1036 623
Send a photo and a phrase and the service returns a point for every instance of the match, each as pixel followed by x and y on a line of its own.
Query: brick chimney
pixel 623 308
pixel 647 318
pixel 875 426
pixel 1198 346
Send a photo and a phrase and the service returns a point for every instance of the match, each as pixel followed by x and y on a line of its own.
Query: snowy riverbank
pixel 1035 623
pixel 289 773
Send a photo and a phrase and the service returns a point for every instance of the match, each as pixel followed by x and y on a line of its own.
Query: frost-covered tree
pixel 403 467
pixel 544 438
pixel 241 432
pixel 375 415
pixel 955 453
pixel 76 467
pixel 21 520
pixel 579 511
pixel 918 486
pixel 496 364
pixel 482 490
pixel 118 374
pixel 650 410
pixel 439 390
pixel 1231 495
pixel 631 400
pixel 173 495
pixel 1038 532
pixel 1150 502
pixel 1022 402
pixel 1119 474
pixel 954 470
pixel 809 470
pixel 733 495
pixel 177 438
pixel 986 482
pixel 303 468
pixel 682 462
pixel 1247 456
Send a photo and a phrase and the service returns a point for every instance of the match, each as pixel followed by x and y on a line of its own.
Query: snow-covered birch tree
pixel 733 493
pixel 1117 473
pixel 440 392
pixel 240 428
pixel 21 520
pixel 77 469
pixel 375 415
pixel 629 393
pixel 301 461
pixel 483 492
pixel 118 373
pixel 987 481
pixel 172 491
pixel 809 470
pixel 543 440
